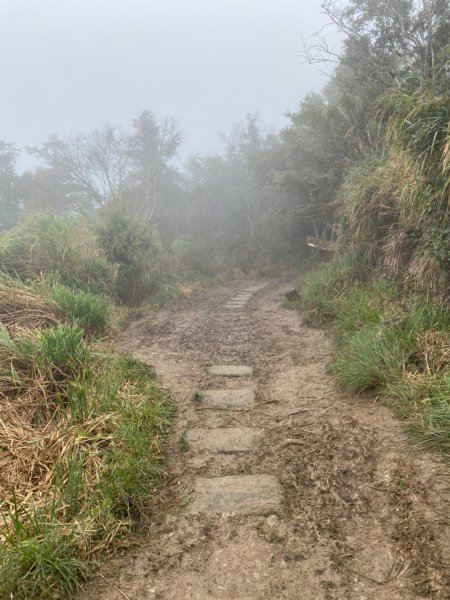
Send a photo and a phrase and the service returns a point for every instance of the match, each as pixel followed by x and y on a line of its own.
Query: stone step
pixel 241 398
pixel 237 494
pixel 222 440
pixel 230 370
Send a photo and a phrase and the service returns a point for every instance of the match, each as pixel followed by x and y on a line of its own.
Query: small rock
pixel 292 296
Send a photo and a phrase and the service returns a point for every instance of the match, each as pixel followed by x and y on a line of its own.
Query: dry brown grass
pixel 434 350
pixel 28 453
pixel 22 308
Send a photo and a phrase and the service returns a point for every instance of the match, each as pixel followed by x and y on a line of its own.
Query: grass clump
pixel 370 359
pixel 22 307
pixel 83 431
pixel 38 558
pixel 320 288
pixel 394 343
pixel 91 311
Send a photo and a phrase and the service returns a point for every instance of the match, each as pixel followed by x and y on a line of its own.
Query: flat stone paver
pixel 239 494
pixel 243 398
pixel 224 440
pixel 230 370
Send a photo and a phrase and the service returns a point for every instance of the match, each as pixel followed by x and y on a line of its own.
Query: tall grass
pixel 38 557
pixel 322 287
pixel 66 248
pixel 91 311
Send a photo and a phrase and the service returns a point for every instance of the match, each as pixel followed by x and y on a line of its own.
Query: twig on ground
pixel 293 441
pixel 259 404
pixel 400 571
pixel 115 587
pixel 302 410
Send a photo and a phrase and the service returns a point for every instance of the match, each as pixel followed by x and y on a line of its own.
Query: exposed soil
pixel 362 517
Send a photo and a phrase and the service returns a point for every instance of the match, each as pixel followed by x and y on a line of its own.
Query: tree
pixel 393 38
pixel 386 41
pixel 91 168
pixel 11 198
pixel 151 147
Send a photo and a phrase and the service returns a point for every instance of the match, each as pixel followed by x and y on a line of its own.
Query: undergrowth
pixel 83 433
pixel 91 311
pixel 64 248
pixel 390 341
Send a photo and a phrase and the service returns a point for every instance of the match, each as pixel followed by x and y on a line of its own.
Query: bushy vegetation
pixel 83 433
pixel 133 246
pixel 377 142
pixel 390 341
pixel 65 248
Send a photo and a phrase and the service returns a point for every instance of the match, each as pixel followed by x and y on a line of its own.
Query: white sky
pixel 68 65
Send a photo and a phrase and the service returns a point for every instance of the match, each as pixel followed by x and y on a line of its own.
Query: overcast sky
pixel 68 65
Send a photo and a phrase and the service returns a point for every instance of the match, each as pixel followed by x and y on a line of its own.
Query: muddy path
pixel 337 506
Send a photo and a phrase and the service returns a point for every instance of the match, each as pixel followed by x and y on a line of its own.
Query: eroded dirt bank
pixel 362 517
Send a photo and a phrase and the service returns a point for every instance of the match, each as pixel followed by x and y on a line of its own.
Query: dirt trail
pixel 361 516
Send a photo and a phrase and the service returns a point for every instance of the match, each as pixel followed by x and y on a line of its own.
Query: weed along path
pixel 278 486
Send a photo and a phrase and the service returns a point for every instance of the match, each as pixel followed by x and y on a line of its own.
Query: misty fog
pixel 71 65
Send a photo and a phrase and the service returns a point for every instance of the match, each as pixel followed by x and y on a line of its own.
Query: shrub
pixel 132 244
pixel 65 248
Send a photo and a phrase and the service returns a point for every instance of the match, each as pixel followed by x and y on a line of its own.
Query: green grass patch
pixel 388 341
pixel 95 424
pixel 321 288
pixel 91 311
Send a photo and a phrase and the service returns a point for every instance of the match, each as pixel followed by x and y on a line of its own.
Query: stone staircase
pixel 243 494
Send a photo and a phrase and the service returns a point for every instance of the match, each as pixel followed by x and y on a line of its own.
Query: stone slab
pixel 243 398
pixel 238 494
pixel 230 370
pixel 222 440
